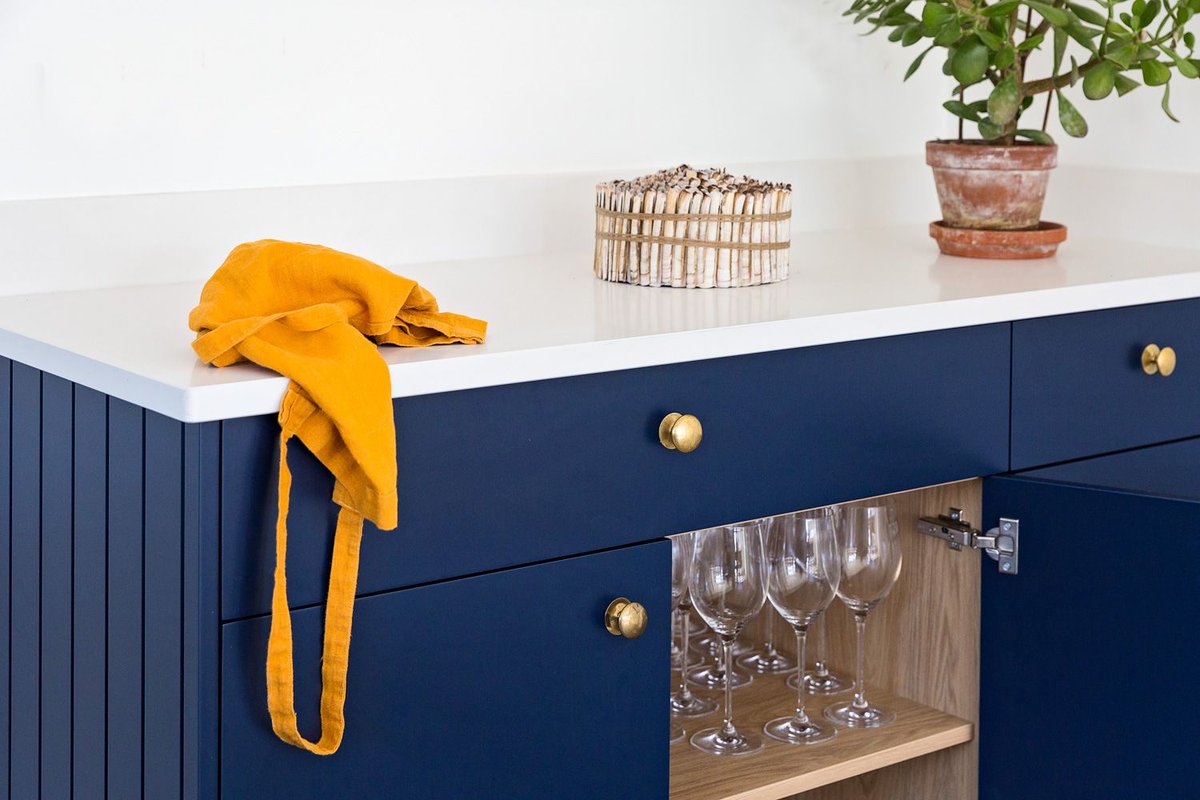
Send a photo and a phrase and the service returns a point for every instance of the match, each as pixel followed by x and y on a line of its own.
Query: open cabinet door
pixel 1089 678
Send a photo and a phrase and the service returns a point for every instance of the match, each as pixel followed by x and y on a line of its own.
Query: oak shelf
pixel 781 770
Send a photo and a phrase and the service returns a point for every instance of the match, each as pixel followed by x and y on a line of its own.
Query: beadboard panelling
pixel 108 644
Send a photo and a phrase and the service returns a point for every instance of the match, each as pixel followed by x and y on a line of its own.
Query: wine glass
pixel 802 578
pixel 766 659
pixel 727 588
pixel 868 541
pixel 683 702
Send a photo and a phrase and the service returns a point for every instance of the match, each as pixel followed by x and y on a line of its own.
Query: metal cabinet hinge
pixel 1002 543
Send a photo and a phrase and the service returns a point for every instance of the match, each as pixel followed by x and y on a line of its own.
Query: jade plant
pixel 1101 47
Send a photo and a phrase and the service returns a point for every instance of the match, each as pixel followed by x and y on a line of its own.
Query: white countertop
pixel 549 318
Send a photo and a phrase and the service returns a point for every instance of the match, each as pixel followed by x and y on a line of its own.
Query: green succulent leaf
pixel 1004 8
pixel 1088 14
pixel 1155 73
pixel 1073 123
pixel 1060 48
pixel 989 130
pixel 1005 58
pixel 1186 68
pixel 1099 82
pixel 1034 135
pixel 1032 43
pixel 993 41
pixel 970 62
pixel 916 64
pixel 1004 101
pixel 934 15
pixel 1166 103
pixel 912 35
pixel 1055 16
pixel 1125 84
pixel 962 110
pixel 948 35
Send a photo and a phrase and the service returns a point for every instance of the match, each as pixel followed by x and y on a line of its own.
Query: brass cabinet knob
pixel 625 618
pixel 1158 360
pixel 680 432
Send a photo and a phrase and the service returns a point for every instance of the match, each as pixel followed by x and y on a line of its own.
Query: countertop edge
pixel 262 396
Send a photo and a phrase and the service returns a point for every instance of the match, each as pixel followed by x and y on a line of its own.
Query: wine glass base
pixel 711 677
pixel 847 715
pixel 694 706
pixel 716 743
pixel 677 734
pixel 784 729
pixel 694 660
pixel 825 685
pixel 767 663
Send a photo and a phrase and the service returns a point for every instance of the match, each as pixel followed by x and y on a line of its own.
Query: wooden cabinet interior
pixel 922 646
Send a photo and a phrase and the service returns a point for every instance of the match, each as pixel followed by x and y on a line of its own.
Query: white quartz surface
pixel 549 318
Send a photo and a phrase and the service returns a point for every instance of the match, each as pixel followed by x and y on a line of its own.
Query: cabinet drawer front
pixel 530 472
pixel 1079 388
pixel 502 685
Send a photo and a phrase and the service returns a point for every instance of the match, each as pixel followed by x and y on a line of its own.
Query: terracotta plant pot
pixel 991 187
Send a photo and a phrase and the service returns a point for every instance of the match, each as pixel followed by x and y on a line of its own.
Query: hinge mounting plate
pixel 1002 542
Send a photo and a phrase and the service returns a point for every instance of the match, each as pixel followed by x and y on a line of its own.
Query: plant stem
pixel 961 98
pixel 1045 117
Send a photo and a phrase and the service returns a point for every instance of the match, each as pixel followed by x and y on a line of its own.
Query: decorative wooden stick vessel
pixel 692 228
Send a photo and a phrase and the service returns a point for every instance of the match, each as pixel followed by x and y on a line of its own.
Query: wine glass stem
pixel 769 636
pixel 727 729
pixel 685 694
pixel 819 667
pixel 801 718
pixel 860 683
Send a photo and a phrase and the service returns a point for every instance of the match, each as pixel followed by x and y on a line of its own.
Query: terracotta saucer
pixel 1040 243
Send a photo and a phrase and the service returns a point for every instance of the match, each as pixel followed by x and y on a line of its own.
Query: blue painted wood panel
pixel 529 472
pixel 163 631
pixel 500 686
pixel 1078 388
pixel 109 596
pixel 1165 470
pixel 56 583
pixel 6 553
pixel 201 611
pixel 26 573
pixel 1087 652
pixel 125 598
pixel 90 623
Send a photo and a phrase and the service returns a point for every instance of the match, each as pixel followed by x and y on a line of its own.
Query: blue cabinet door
pixel 504 685
pixel 1088 662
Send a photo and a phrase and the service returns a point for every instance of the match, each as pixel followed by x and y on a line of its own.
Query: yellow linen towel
pixel 315 315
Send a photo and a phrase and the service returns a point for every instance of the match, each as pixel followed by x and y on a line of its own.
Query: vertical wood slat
pixel 125 598
pixel 201 610
pixel 163 609
pixel 5 529
pixel 56 556
pixel 90 578
pixel 25 565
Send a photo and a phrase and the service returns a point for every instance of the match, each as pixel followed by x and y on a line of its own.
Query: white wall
pixel 102 99
pixel 129 96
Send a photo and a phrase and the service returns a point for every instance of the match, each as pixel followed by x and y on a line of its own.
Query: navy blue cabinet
pixel 1088 660
pixel 504 685
pixel 1078 388
pixel 529 472
pixel 139 550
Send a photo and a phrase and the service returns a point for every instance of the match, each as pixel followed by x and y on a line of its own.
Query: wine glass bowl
pixel 727 588
pixel 802 578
